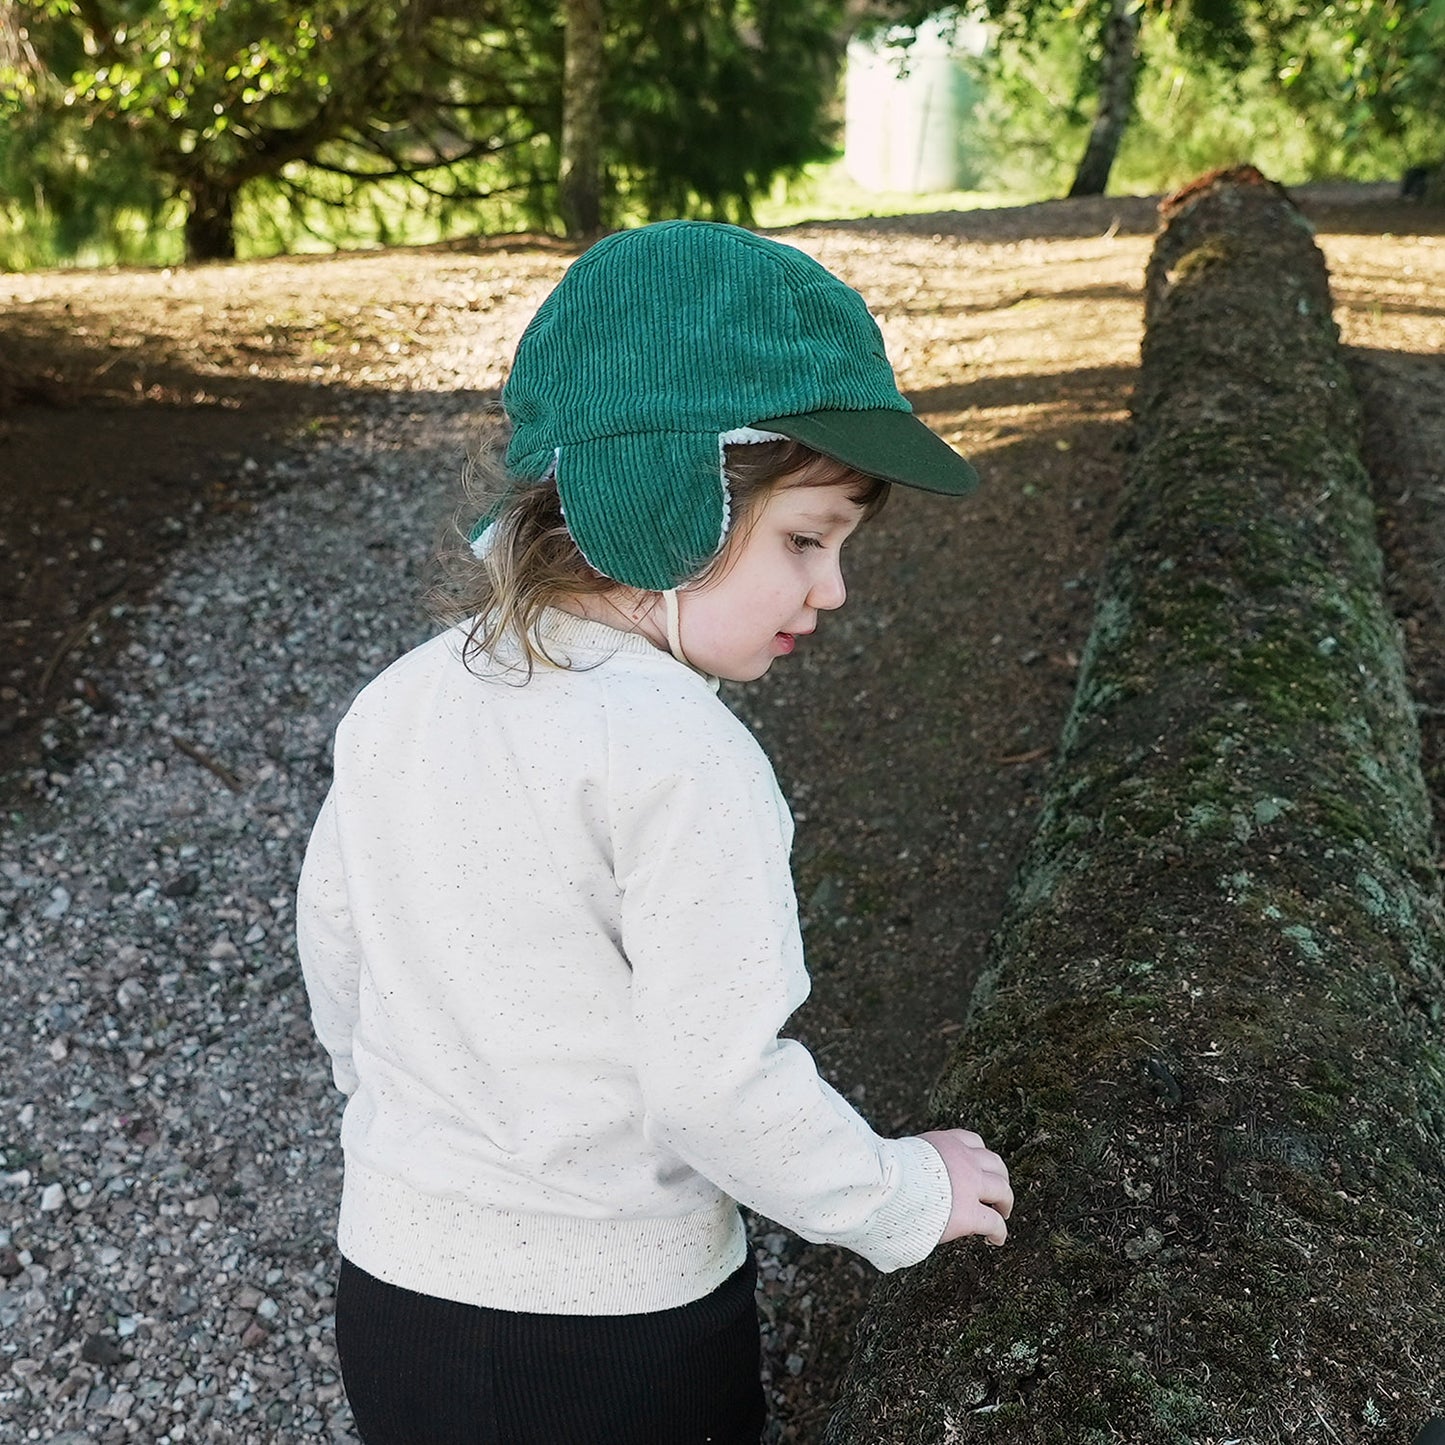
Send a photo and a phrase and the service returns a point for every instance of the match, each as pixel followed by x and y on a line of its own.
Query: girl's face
pixel 784 571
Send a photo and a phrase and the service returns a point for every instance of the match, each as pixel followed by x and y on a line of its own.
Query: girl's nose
pixel 828 591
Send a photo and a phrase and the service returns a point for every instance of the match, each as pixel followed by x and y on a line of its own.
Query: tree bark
pixel 1116 99
pixel 580 174
pixel 1434 194
pixel 1209 1039
pixel 210 221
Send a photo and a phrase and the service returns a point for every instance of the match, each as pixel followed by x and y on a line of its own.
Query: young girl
pixel 546 917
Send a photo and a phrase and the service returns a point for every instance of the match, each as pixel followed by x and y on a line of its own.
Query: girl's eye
pixel 801 542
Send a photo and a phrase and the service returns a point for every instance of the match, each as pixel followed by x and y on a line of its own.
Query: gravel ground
pixel 169 1170
pixel 169 1165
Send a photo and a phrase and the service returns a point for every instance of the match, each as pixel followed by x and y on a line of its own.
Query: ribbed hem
pixel 908 1228
pixel 536 1263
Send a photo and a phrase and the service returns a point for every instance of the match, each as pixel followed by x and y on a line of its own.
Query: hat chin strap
pixel 674 638
pixel 674 627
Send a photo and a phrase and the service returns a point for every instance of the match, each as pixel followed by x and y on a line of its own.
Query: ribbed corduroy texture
pixel 654 342
pixel 423 1371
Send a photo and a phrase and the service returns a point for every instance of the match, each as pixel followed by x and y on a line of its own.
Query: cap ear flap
pixel 647 509
pixel 529 463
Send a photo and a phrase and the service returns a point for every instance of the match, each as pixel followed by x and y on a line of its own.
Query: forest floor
pixel 140 412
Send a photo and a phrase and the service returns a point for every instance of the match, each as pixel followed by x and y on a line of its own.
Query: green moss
pixel 1211 253
pixel 1287 680
pixel 1205 821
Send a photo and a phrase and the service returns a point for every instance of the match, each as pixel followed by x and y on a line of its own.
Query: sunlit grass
pixel 828 193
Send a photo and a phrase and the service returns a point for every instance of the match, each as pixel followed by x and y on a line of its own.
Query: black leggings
pixel 424 1371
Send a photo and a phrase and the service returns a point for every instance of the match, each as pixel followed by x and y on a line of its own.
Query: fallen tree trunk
pixel 1209 1041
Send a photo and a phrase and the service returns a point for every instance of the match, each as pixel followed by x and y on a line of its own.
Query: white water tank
pixel 906 106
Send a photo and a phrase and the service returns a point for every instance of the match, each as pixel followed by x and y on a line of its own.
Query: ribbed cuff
pixel 452 1248
pixel 908 1228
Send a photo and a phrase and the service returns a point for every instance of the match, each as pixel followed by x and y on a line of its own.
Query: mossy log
pixel 1209 1041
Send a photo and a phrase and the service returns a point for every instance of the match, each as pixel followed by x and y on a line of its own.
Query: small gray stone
pixel 104 1351
pixel 58 906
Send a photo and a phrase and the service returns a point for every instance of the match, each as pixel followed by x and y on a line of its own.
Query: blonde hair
pixel 531 563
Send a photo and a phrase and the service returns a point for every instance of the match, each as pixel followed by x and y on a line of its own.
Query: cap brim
pixel 893 445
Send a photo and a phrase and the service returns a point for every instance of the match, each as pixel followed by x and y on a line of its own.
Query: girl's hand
pixel 982 1199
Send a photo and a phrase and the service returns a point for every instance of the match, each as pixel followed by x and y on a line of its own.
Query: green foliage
pixel 1213 27
pixel 1033 118
pixel 206 97
pixel 38 158
pixel 710 100
pixel 1295 110
pixel 261 126
pixel 1352 88
pixel 61 202
pixel 1365 71
pixel 1313 99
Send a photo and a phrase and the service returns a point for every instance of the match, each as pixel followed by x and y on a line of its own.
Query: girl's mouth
pixel 786 642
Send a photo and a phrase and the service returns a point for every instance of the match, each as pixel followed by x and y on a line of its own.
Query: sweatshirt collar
pixel 554 625
pixel 582 634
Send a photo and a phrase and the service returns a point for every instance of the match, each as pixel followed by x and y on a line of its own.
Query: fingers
pixel 994 1174
pixel 977 1220
pixel 983 1198
pixel 995 1233
pixel 995 1203
pixel 997 1191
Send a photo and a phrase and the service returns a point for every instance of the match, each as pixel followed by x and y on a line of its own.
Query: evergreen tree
pixel 709 100
pixel 197 104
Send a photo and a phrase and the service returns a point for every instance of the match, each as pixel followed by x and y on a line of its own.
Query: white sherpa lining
pixel 742 436
pixel 739 436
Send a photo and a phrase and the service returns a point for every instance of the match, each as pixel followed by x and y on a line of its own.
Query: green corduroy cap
pixel 660 341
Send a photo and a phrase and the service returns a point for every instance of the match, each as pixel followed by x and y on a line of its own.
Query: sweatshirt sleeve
pixel 710 929
pixel 330 957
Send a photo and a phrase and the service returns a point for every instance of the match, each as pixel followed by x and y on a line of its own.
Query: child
pixel 546 917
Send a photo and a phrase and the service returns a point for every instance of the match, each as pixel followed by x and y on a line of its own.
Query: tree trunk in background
pixel 1116 98
pixel 210 221
pixel 580 176
pixel 1435 187
pixel 1209 1039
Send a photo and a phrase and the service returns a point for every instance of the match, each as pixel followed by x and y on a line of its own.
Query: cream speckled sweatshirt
pixel 549 936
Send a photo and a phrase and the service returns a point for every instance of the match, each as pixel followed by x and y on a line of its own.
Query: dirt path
pixel 144 408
